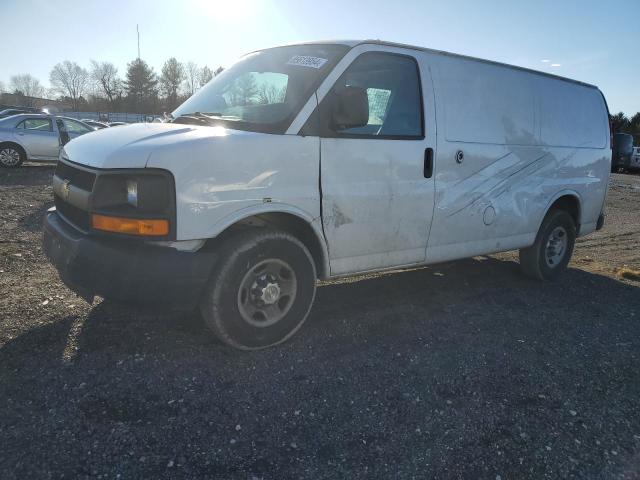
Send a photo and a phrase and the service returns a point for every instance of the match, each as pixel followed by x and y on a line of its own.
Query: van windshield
pixel 264 90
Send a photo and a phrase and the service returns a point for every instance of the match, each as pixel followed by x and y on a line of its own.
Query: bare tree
pixel 192 80
pixel 205 75
pixel 243 90
pixel 2 87
pixel 70 79
pixel 172 76
pixel 107 82
pixel 27 85
pixel 269 94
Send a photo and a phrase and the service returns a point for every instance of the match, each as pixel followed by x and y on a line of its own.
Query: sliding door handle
pixel 428 163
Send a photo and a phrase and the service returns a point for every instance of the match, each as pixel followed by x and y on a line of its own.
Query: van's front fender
pixel 252 211
pixel 283 211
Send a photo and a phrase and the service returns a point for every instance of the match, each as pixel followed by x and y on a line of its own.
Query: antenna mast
pixel 138 31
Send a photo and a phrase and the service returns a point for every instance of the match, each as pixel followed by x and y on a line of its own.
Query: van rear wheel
pixel 552 250
pixel 261 291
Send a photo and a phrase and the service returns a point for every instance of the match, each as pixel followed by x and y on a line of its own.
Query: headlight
pixel 134 202
pixel 132 192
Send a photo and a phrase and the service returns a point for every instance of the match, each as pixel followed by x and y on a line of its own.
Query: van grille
pixel 77 217
pixel 81 179
pixel 76 176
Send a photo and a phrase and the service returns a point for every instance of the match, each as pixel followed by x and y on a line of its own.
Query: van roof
pixel 355 43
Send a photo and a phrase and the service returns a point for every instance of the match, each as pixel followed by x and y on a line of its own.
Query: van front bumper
pixel 125 270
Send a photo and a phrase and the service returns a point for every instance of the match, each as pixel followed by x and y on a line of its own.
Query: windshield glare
pixel 265 90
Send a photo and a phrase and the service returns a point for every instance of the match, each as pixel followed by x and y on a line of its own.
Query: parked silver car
pixel 95 124
pixel 36 137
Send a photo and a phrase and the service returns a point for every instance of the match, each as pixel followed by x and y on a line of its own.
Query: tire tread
pixel 531 257
pixel 229 252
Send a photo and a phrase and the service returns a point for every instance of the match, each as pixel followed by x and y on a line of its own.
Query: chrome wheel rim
pixel 267 292
pixel 9 157
pixel 556 247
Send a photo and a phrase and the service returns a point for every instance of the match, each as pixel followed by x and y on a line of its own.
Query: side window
pixel 75 127
pixel 393 94
pixel 37 124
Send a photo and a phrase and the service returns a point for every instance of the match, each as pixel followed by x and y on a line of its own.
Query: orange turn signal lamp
pixel 130 226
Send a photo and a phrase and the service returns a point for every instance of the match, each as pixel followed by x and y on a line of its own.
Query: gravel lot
pixel 462 370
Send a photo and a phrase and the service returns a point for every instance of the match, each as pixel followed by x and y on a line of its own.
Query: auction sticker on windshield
pixel 307 61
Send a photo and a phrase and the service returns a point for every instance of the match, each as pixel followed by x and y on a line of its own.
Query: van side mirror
pixel 350 108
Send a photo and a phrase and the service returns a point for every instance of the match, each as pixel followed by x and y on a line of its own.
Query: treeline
pixel 101 88
pixel 623 124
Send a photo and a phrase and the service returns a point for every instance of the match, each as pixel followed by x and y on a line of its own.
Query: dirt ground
pixel 461 370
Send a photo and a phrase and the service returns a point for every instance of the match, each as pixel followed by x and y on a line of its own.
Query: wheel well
pixel 289 223
pixel 16 145
pixel 571 205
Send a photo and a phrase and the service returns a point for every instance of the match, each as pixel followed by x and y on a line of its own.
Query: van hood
pixel 132 146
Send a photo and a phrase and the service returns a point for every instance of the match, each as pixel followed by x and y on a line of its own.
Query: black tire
pixel 228 300
pixel 8 152
pixel 538 260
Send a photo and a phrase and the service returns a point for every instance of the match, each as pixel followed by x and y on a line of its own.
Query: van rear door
pixel 377 179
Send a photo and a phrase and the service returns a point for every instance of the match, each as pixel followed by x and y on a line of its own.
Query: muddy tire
pixel 11 155
pixel 261 291
pixel 549 256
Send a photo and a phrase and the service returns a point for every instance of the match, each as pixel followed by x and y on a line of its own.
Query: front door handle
pixel 428 163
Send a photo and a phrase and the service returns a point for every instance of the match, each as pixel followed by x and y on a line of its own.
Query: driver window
pixel 392 85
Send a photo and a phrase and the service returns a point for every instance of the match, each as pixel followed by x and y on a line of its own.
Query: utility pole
pixel 138 31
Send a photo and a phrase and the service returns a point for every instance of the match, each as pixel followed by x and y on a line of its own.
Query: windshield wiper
pixel 206 118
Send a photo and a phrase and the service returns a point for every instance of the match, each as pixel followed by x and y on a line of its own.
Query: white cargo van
pixel 322 160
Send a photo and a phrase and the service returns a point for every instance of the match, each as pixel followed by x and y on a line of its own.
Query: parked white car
pixel 324 160
pixel 635 159
pixel 36 137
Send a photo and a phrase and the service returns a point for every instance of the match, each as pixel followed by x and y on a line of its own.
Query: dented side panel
pixel 376 203
pixel 223 178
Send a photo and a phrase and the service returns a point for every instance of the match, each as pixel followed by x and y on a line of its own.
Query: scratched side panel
pixel 496 197
pixel 501 206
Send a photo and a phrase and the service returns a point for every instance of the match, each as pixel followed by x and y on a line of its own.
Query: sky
pixel 589 40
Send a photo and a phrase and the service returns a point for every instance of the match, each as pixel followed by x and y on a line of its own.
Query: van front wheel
pixel 552 250
pixel 261 291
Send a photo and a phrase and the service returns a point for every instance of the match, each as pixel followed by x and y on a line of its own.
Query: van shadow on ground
pixel 464 369
pixel 32 222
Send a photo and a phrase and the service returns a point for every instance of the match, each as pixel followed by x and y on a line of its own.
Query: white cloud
pixel 556 65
